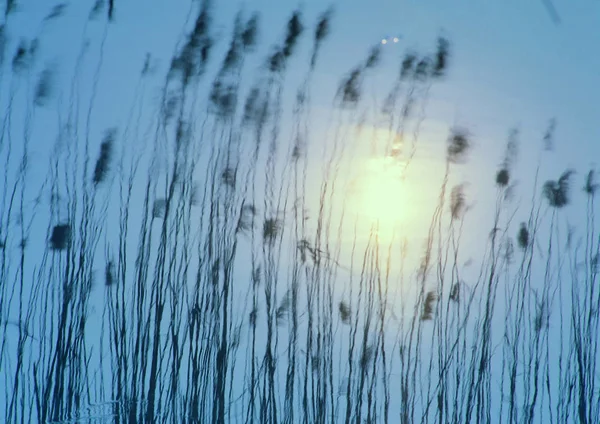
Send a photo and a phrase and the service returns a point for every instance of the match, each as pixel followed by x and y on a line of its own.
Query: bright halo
pixel 380 196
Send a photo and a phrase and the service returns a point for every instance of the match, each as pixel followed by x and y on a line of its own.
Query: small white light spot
pixel 384 41
pixel 396 39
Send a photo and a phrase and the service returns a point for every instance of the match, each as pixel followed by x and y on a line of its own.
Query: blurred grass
pixel 231 295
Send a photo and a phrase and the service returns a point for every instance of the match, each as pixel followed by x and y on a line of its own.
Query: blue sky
pixel 511 65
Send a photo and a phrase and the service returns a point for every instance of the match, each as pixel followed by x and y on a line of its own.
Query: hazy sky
pixel 511 65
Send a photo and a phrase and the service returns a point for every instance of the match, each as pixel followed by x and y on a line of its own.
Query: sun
pixel 380 195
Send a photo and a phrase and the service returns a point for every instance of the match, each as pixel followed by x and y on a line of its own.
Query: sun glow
pixel 380 195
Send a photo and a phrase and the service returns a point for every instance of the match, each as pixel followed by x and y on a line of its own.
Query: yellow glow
pixel 380 196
